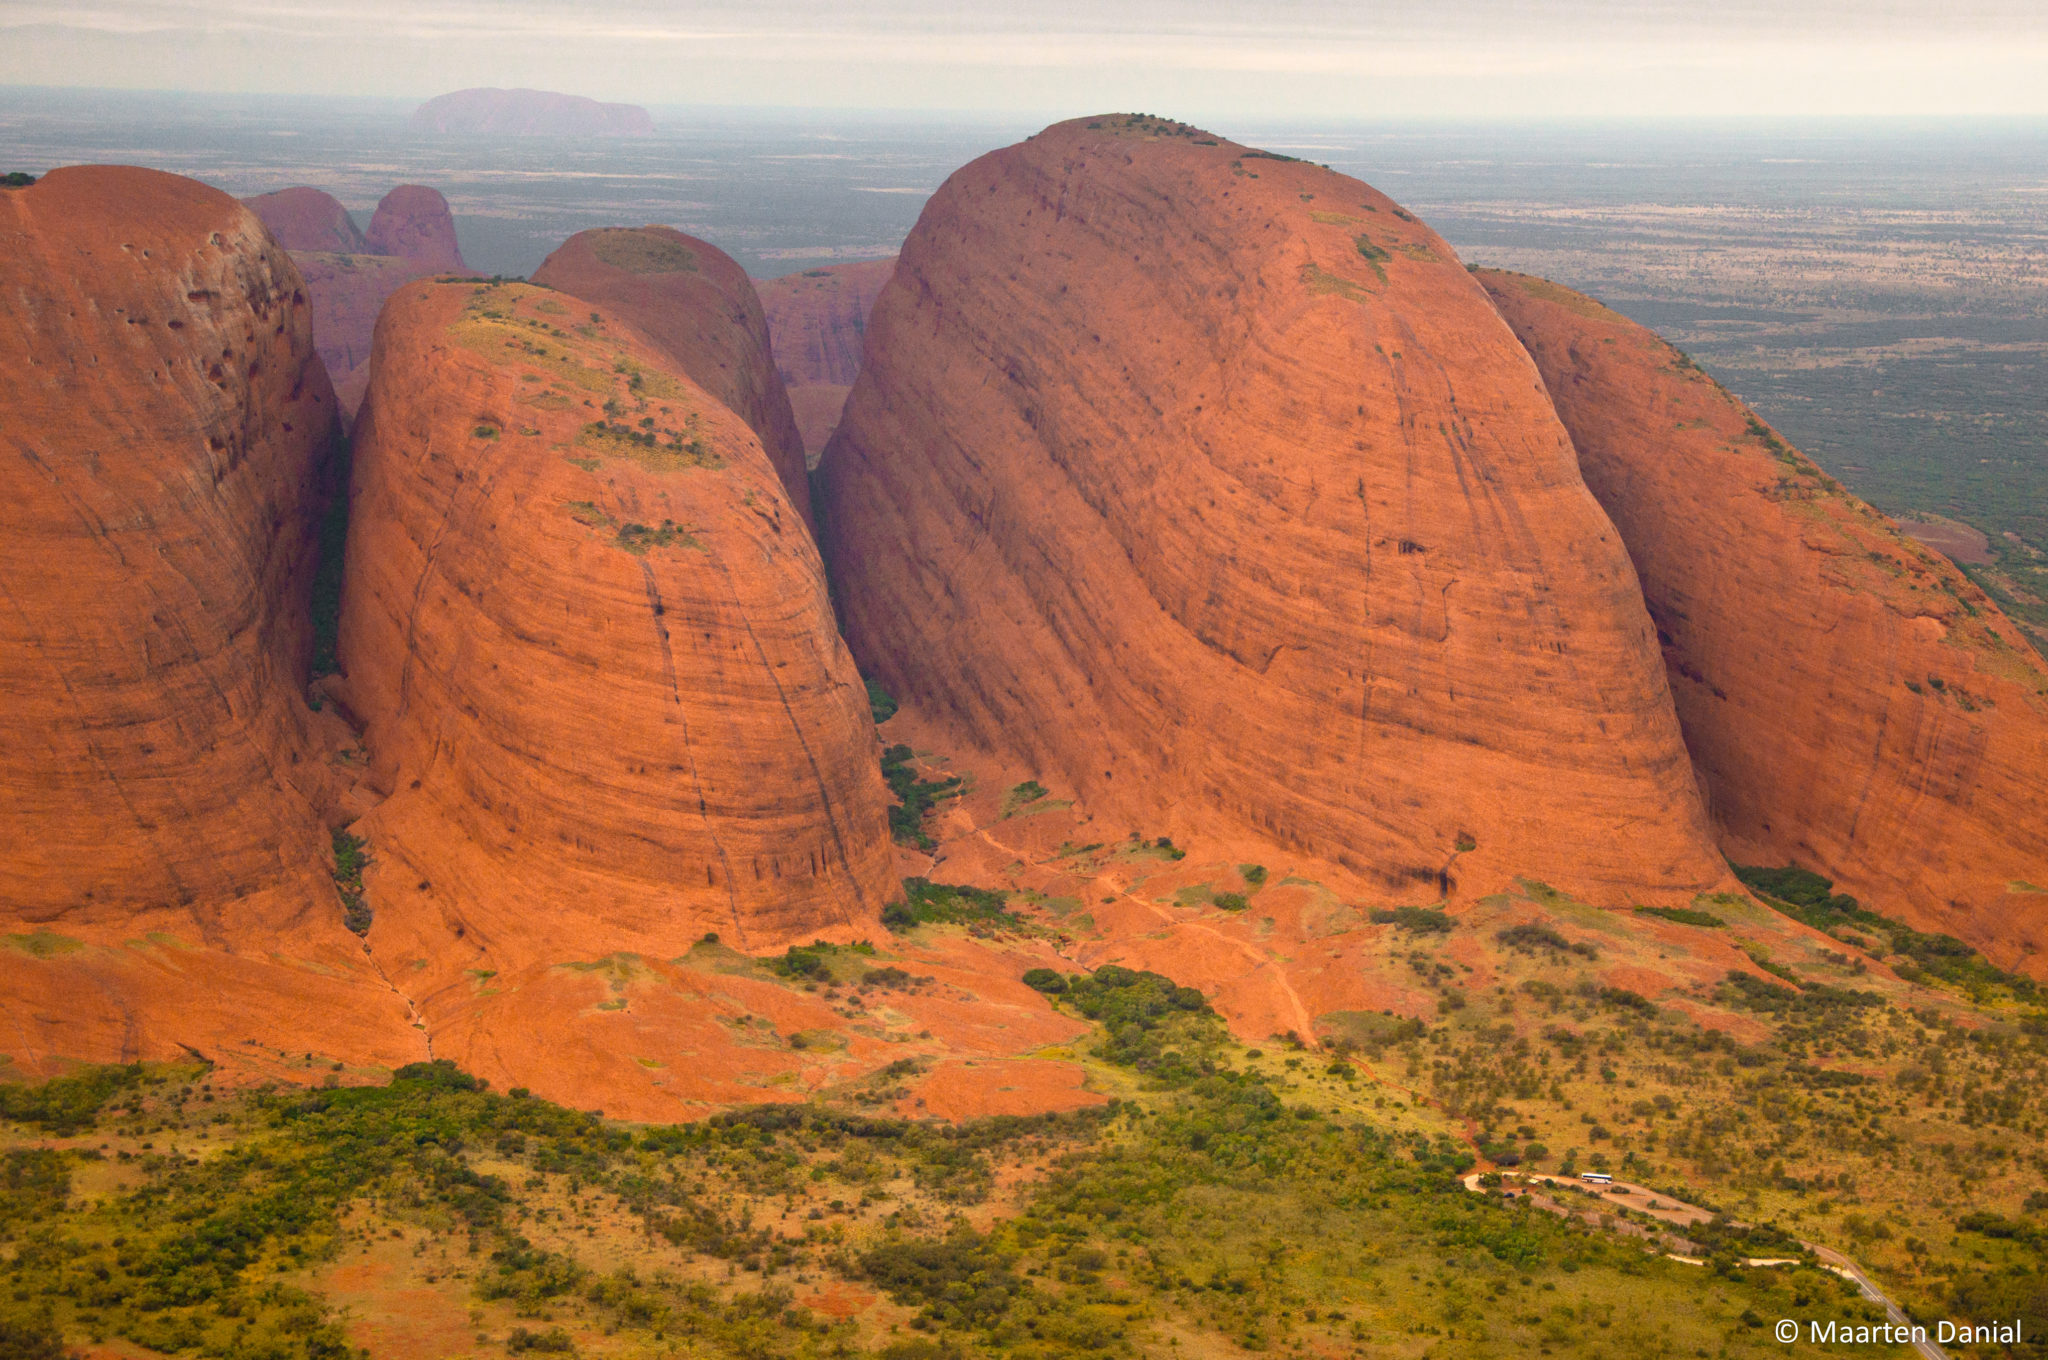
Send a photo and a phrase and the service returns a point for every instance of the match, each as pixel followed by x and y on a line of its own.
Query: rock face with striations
pixel 1212 484
pixel 1852 701
pixel 413 223
pixel 160 772
pixel 529 113
pixel 309 219
pixel 818 319
pixel 589 638
pixel 700 309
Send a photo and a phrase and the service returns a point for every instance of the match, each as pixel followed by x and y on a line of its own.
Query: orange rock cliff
pixel 818 319
pixel 589 638
pixel 1852 701
pixel 699 309
pixel 1211 485
pixel 165 882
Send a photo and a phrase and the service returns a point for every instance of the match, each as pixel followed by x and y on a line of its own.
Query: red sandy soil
pixel 1213 487
pixel 162 780
pixel 969 1089
pixel 1851 700
pixel 1304 957
pixel 698 309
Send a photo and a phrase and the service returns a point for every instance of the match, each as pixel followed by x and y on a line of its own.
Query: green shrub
pixel 1230 901
pixel 879 703
pixel 1807 896
pixel 1530 937
pixel 803 961
pixel 1045 980
pixel 68 1104
pixel 36 1337
pixel 1685 916
pixel 1152 1024
pixel 961 1281
pixel 1253 874
pixel 34 1184
pixel 438 1074
pixel 929 903
pixel 1420 920
pixel 351 857
pixel 1626 999
pixel 915 797
pixel 553 1340
pixel 1748 990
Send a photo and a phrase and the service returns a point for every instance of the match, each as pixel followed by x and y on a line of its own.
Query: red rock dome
pixel 1852 701
pixel 1211 484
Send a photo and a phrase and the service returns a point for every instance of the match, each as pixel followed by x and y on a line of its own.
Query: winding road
pixel 1681 1215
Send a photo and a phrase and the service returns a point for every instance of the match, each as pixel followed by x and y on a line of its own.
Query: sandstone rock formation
pixel 303 218
pixel 348 275
pixel 1210 484
pixel 700 309
pixel 817 319
pixel 164 879
pixel 529 113
pixel 348 292
pixel 413 223
pixel 1852 701
pixel 589 638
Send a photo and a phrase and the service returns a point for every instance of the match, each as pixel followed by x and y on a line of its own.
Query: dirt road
pixel 1679 1214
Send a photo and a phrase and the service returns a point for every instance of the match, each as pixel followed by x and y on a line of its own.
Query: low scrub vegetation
pixel 915 797
pixel 1224 1201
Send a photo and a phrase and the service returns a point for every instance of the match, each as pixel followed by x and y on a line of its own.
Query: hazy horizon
pixel 1320 59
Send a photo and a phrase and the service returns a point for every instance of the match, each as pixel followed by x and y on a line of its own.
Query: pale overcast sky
pixel 1194 58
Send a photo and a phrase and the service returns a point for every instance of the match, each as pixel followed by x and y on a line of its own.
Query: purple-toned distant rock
pixel 413 223
pixel 305 218
pixel 349 275
pixel 529 113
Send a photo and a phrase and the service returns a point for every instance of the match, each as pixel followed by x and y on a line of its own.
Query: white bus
pixel 1597 1178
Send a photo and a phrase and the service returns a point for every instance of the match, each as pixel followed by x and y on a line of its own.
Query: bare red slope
pixel 1852 701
